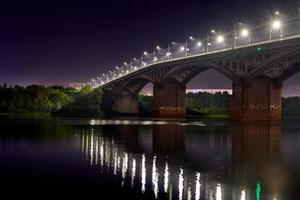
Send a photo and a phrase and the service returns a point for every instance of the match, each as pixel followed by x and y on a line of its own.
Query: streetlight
pixel 168 52
pixel 208 42
pixel 182 48
pixel 142 58
pixel 221 39
pixel 276 24
pixel 245 33
pixel 241 29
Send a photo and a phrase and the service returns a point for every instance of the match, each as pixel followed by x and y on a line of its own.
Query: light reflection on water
pixel 182 160
pixel 134 167
pixel 151 171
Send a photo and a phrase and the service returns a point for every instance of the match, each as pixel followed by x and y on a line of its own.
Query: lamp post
pixel 168 52
pixel 276 24
pixel 208 42
pixel 245 33
pixel 235 36
pixel 221 39
pixel 186 47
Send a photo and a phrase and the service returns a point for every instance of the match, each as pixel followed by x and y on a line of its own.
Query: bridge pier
pixel 169 100
pixel 259 100
pixel 126 104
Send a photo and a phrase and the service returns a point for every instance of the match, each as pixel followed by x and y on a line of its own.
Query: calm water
pixel 118 159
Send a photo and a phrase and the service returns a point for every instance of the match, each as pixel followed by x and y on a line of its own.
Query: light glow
pixel 219 192
pixel 276 24
pixel 220 38
pixel 245 33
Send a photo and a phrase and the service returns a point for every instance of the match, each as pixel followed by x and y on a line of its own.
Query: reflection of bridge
pixel 257 71
pixel 243 159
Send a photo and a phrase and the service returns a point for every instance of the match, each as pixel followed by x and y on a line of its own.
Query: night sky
pixel 58 42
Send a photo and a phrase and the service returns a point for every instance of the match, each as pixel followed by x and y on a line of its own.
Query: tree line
pixel 57 100
pixel 65 101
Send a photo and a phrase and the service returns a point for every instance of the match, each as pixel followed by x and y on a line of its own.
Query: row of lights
pixel 243 32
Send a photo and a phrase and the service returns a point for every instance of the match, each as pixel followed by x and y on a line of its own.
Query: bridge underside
pixel 258 100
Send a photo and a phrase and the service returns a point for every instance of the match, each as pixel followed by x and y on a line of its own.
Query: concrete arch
pixel 226 73
pixel 187 73
pixel 288 73
pixel 261 67
pixel 135 85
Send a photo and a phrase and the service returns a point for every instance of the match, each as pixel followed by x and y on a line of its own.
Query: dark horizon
pixel 59 42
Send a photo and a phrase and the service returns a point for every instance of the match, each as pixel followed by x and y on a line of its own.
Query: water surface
pixel 144 159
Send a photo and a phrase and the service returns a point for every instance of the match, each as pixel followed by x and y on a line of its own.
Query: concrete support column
pixel 126 104
pixel 169 100
pixel 258 100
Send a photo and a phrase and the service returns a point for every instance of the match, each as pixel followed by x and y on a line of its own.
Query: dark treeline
pixel 56 100
pixel 291 107
pixel 62 101
pixel 208 104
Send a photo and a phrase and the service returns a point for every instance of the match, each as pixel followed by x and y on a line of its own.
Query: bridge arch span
pixel 278 67
pixel 135 85
pixel 185 74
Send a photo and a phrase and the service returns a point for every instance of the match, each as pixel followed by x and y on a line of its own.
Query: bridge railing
pixel 243 35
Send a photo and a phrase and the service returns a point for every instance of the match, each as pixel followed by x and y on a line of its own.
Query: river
pixel 149 159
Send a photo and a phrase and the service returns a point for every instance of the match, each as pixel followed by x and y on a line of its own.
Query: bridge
pixel 257 62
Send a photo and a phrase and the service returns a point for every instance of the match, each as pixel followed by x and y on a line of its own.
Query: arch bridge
pixel 257 72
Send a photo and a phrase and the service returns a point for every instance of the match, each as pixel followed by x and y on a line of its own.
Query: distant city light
pixel 182 48
pixel 199 44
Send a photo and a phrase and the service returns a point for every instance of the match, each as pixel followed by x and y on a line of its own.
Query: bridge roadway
pixel 257 72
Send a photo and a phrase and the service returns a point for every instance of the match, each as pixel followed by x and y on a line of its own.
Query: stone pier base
pixel 169 100
pixel 126 104
pixel 258 100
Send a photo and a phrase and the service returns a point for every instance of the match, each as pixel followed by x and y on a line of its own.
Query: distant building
pixel 212 91
pixel 77 86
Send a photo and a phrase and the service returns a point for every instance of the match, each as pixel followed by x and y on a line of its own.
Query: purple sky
pixel 58 42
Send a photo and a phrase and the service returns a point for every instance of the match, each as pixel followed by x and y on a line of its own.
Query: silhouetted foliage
pixel 55 99
pixel 32 99
pixel 86 103
pixel 291 107
pixel 207 103
pixel 145 105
